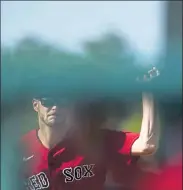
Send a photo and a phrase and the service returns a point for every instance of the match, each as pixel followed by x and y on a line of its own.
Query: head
pixel 52 111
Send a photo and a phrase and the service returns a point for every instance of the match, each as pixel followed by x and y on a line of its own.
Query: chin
pixel 54 123
pixel 51 123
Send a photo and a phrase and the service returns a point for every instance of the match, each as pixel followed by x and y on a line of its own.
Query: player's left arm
pixel 148 140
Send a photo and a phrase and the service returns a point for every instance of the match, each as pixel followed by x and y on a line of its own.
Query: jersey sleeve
pixel 120 142
pixel 129 139
pixel 121 164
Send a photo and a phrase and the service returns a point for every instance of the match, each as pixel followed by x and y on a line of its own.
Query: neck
pixel 50 136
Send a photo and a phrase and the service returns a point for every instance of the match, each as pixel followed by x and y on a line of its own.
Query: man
pixel 63 154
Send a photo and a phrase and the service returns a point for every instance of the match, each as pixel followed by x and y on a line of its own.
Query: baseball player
pixel 61 155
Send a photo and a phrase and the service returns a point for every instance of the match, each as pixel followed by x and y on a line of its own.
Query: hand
pixel 150 75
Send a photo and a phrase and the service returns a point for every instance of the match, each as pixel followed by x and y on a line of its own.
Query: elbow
pixel 149 149
pixel 141 148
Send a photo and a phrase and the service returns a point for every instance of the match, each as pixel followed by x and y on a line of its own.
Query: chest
pixel 63 171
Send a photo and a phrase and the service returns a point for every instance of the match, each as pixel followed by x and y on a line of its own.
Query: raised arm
pixel 148 140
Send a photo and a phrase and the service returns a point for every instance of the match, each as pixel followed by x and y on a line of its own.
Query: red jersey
pixel 65 167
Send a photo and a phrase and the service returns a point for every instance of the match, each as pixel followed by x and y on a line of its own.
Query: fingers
pixel 151 74
pixel 154 72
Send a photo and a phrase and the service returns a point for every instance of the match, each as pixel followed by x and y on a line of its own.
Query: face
pixel 52 112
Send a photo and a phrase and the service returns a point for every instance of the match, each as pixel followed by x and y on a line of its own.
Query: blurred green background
pixel 92 74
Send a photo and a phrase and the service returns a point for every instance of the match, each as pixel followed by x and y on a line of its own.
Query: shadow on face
pixel 52 112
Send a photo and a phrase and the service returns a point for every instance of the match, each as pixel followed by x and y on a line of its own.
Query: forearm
pixel 148 140
pixel 150 128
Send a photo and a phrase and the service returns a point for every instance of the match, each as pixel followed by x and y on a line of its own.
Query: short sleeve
pixel 121 164
pixel 119 141
pixel 129 139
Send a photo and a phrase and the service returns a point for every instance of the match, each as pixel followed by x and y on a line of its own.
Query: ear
pixel 35 104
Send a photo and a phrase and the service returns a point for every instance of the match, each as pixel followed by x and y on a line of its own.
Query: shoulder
pixel 28 140
pixel 29 136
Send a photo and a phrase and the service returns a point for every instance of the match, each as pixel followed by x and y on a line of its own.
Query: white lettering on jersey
pixel 78 172
pixel 37 182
